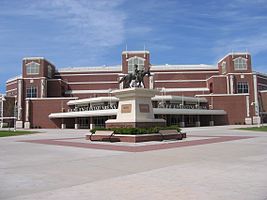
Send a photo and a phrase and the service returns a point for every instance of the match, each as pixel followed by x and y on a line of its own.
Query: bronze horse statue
pixel 137 77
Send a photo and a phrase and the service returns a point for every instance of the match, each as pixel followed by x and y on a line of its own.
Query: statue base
pixel 135 109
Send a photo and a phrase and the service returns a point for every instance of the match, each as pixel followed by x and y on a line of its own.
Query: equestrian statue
pixel 135 79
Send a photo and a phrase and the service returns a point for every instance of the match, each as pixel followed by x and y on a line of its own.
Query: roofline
pixel 38 58
pixel 14 78
pixel 90 69
pixel 135 52
pixel 234 54
pixel 184 67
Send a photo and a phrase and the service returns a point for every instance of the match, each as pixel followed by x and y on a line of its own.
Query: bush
pixel 137 131
pixel 172 127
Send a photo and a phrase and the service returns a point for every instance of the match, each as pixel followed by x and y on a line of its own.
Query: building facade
pixel 189 95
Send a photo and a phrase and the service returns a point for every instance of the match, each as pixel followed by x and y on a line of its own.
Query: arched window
pixel 240 63
pixel 32 68
pixel 135 61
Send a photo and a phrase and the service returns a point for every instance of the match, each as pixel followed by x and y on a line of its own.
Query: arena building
pixel 189 95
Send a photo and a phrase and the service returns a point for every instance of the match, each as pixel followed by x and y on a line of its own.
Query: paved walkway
pixel 235 167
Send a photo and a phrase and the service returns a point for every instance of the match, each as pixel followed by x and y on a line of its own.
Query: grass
pixel 262 128
pixel 12 133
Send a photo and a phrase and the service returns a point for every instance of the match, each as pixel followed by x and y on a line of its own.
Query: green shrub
pixel 137 131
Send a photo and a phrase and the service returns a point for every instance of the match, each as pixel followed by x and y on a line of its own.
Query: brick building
pixel 189 95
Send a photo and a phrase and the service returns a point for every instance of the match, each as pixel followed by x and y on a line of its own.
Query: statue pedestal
pixel 135 109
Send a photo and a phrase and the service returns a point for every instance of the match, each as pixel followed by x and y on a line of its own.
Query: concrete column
pixel 247 106
pixel 256 102
pixel 43 88
pixel 63 126
pixel 197 123
pixel 227 85
pixel 27 124
pixel 76 125
pixel 91 125
pixel 211 123
pixel 231 84
pixel 27 109
pixel 151 81
pixel 19 100
pixel 182 124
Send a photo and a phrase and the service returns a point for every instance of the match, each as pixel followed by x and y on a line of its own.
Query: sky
pixel 76 33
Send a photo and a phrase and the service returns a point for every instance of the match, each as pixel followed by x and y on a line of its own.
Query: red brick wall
pixel 234 105
pixel 263 96
pixel 41 109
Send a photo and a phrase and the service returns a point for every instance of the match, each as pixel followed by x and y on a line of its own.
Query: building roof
pixel 14 78
pixel 234 54
pixel 135 52
pixel 183 67
pixel 90 69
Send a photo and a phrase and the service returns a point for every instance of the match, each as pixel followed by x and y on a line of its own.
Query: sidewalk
pixel 227 170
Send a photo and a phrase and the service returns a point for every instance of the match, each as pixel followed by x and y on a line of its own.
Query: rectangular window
pixel 31 92
pixel 33 68
pixel 242 87
pixel 1 108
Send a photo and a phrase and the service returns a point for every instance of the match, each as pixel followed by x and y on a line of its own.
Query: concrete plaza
pixel 230 169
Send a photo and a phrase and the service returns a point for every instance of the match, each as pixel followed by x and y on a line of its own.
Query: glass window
pixel 223 67
pixel 1 111
pixel 240 63
pixel 31 92
pixel 242 87
pixel 32 68
pixel 50 71
pixel 135 61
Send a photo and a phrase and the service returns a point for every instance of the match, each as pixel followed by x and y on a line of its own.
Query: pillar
pixel 197 123
pixel 27 123
pixel 76 125
pixel 91 124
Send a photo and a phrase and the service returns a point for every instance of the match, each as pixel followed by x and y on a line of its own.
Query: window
pixel 242 87
pixel 135 61
pixel 240 63
pixel 223 67
pixel 31 92
pixel 50 71
pixel 32 68
pixel 1 108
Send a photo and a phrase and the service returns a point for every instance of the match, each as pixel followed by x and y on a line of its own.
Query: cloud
pixel 93 23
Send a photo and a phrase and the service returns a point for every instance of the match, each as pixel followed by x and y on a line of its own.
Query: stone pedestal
pixel 135 109
pixel 27 125
pixel 248 121
pixel 19 124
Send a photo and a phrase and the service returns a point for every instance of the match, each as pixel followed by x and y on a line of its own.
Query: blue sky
pixel 95 32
